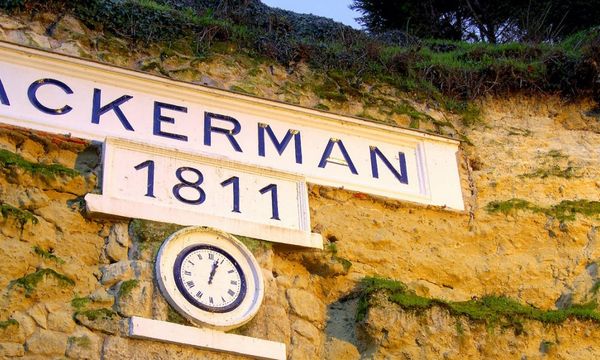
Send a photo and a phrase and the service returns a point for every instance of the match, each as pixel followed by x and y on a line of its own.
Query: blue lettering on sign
pixel 3 96
pixel 272 188
pixel 195 185
pixel 280 146
pixel 401 175
pixel 98 110
pixel 209 129
pixel 327 153
pixel 32 94
pixel 159 117
pixel 235 181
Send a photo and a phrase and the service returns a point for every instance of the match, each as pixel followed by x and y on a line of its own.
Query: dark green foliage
pixel 563 211
pixel 491 21
pixel 29 282
pixel 174 317
pixel 439 70
pixel 254 245
pixel 491 309
pixel 79 303
pixel 81 341
pixel 127 287
pixel 509 206
pixel 567 209
pixel 97 314
pixel 7 323
pixel 152 231
pixel 9 160
pixel 22 216
pixel 47 254
pixel 595 287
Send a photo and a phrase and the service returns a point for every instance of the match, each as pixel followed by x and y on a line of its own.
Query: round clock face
pixel 209 277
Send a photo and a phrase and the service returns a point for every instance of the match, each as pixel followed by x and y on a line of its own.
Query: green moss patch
pixel 254 245
pixel 4 324
pixel 333 250
pixel 436 69
pixel 174 317
pixel 566 210
pixel 555 171
pixel 48 171
pixel 80 341
pixel 152 231
pixel 22 216
pixel 47 254
pixel 79 303
pixel 127 287
pixel 97 314
pixel 491 309
pixel 30 282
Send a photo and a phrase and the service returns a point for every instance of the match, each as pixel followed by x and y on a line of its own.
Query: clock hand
pixel 212 272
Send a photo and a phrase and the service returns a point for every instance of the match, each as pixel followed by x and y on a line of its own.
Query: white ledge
pixel 142 328
pixel 99 204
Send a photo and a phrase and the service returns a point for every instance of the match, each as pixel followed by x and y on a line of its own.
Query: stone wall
pixel 69 281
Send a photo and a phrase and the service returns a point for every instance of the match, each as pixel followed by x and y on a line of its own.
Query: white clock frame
pixel 183 239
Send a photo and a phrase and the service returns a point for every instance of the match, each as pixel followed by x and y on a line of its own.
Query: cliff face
pixel 530 169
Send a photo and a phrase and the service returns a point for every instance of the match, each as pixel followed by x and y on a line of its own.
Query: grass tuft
pixel 493 310
pixel 4 324
pixel 29 282
pixel 566 210
pixel 22 216
pixel 47 254
pixel 79 303
pixel 47 171
pixel 97 314
pixel 127 287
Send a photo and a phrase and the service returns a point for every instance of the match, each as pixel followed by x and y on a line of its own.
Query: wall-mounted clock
pixel 210 277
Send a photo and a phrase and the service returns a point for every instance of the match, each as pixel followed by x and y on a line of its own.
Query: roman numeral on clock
pixel 190 284
pixel 199 294
pixel 187 273
pixel 230 292
pixel 211 256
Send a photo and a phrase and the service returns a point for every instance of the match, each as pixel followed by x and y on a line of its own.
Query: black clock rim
pixel 181 287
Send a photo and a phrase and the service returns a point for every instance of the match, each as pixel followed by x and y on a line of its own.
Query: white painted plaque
pixel 65 95
pixel 143 328
pixel 141 181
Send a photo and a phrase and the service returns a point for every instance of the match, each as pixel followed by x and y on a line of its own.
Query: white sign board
pixel 142 328
pixel 140 181
pixel 93 101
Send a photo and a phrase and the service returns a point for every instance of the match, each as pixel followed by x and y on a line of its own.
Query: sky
pixel 334 9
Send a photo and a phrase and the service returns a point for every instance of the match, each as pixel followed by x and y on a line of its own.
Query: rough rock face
pixel 68 281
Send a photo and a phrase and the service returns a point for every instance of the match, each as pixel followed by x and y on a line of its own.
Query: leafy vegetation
pixel 490 21
pixel 253 244
pixel 127 287
pixel 10 160
pixel 491 309
pixel 79 303
pixel 555 170
pixel 448 72
pixel 97 314
pixel 7 323
pixel 333 250
pixel 47 254
pixel 29 282
pixel 152 231
pixel 566 210
pixel 22 216
pixel 81 341
pixel 174 317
